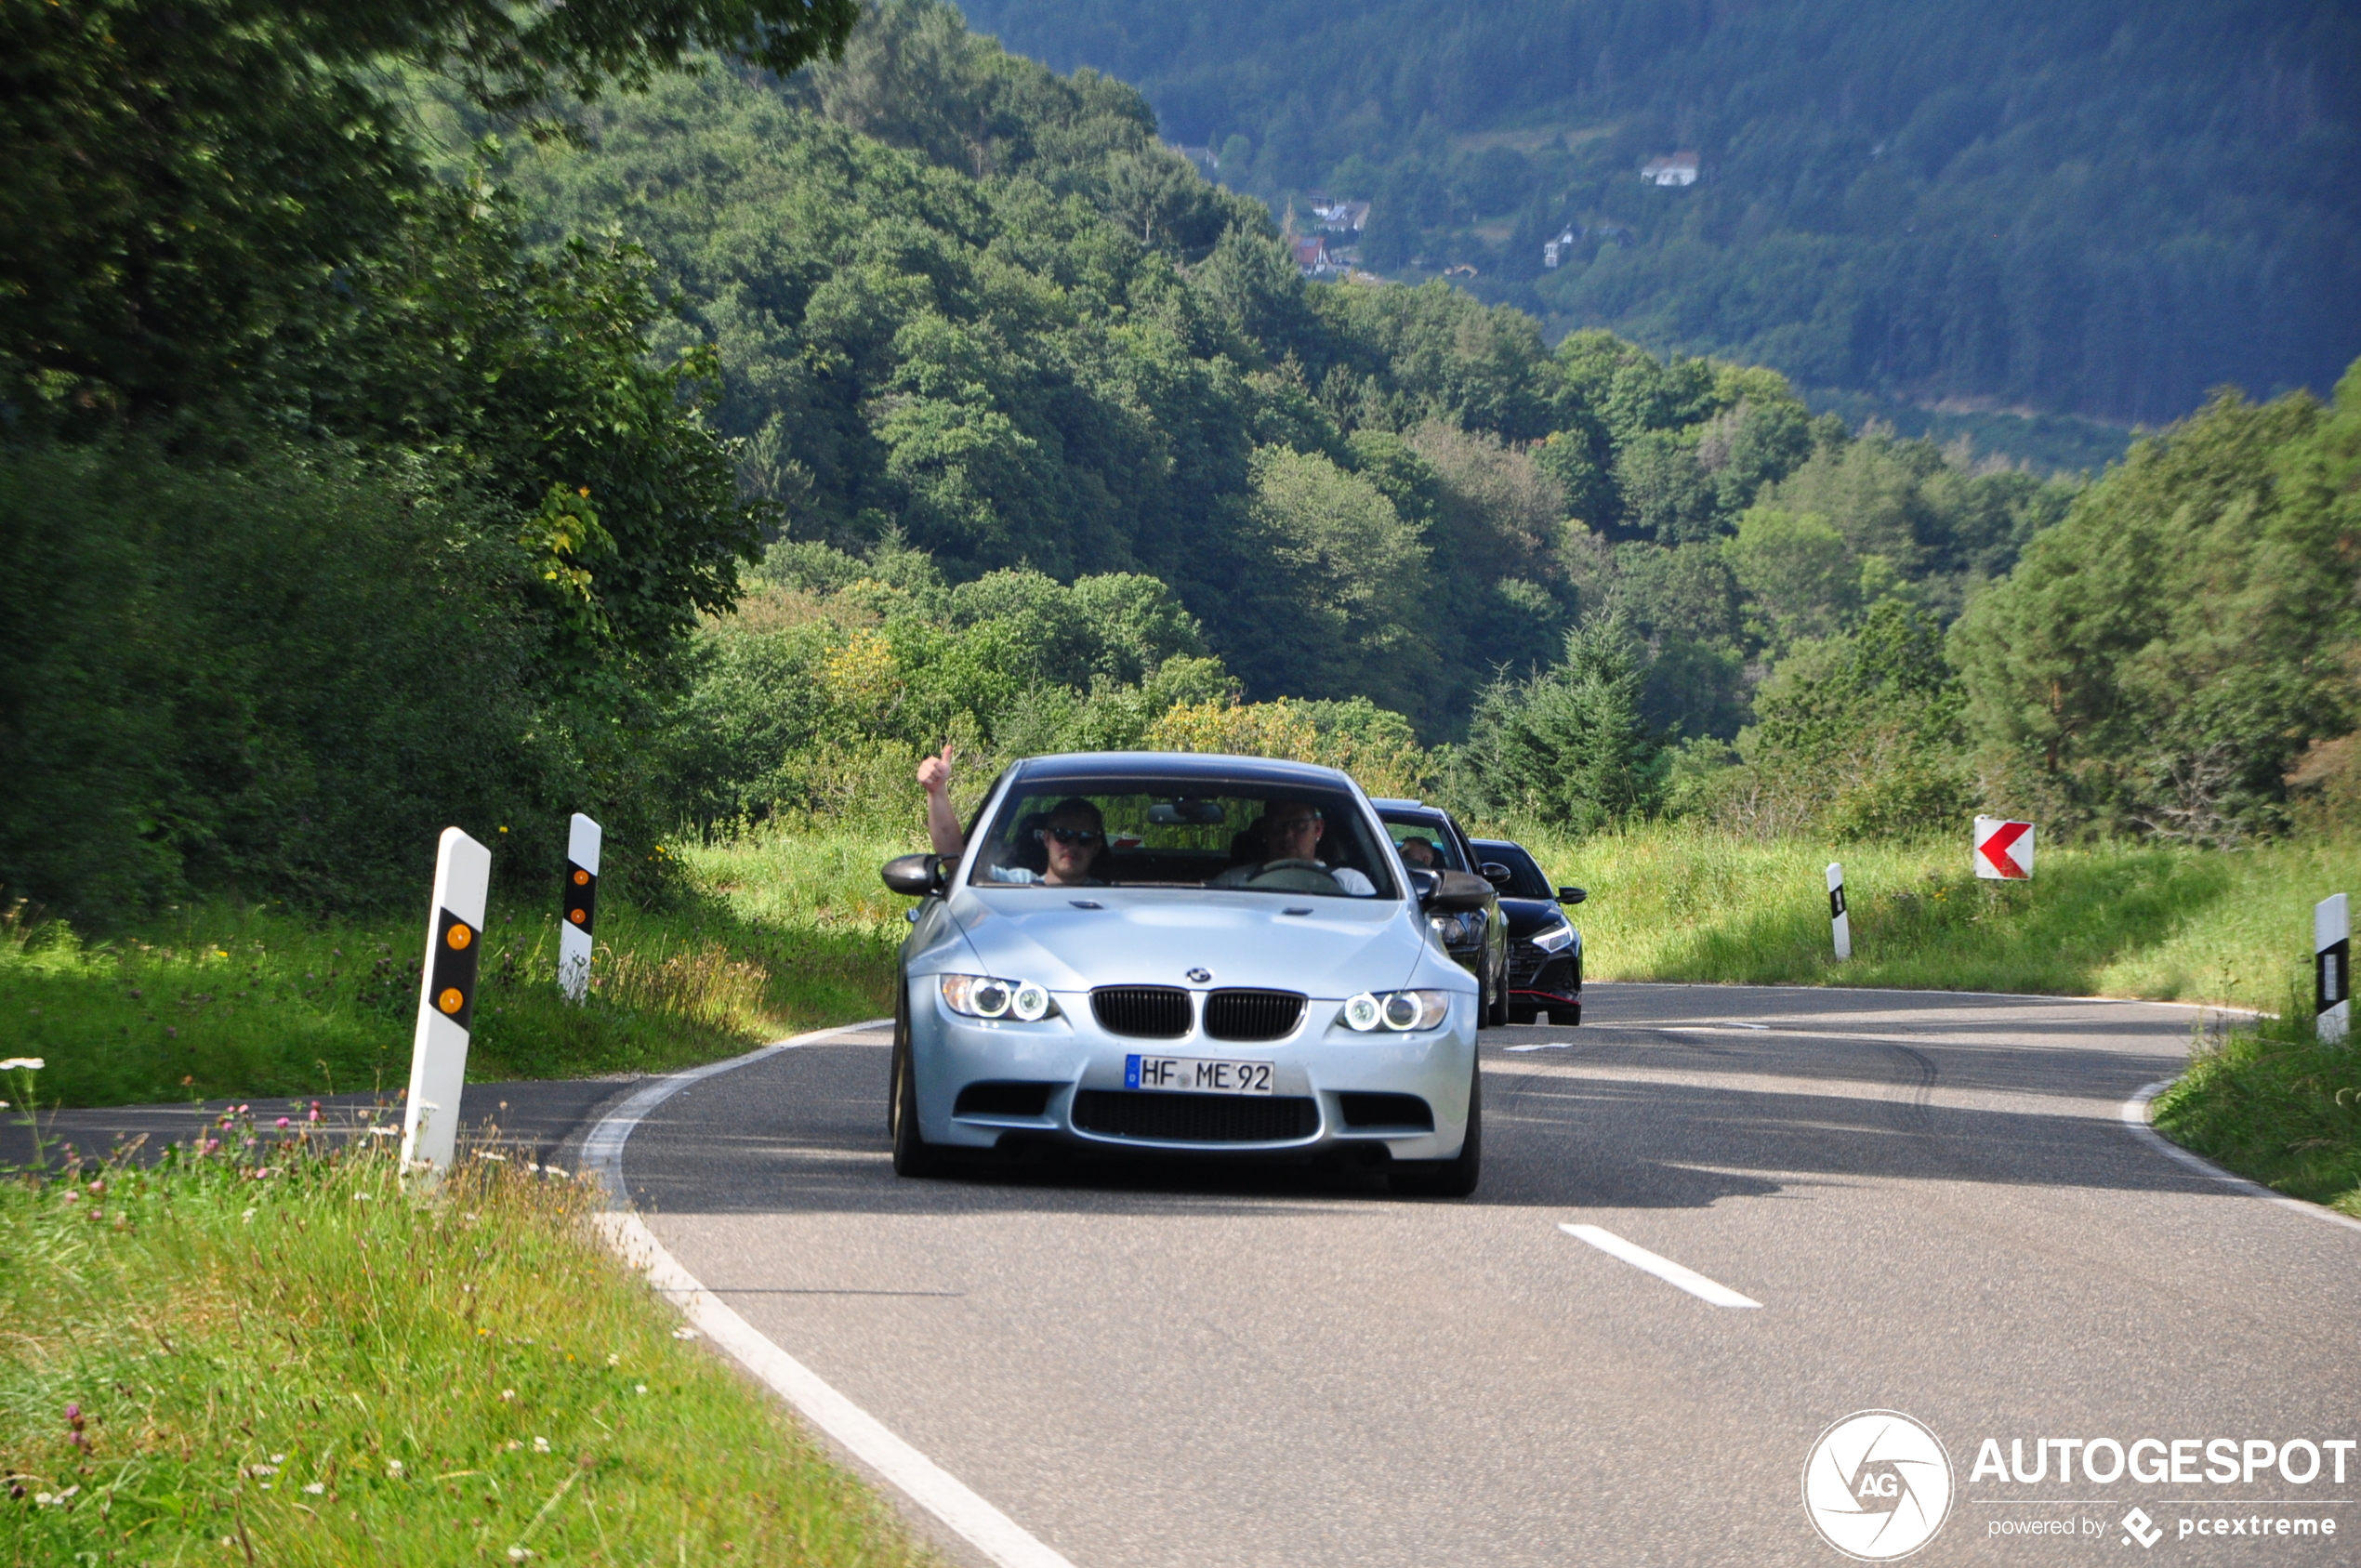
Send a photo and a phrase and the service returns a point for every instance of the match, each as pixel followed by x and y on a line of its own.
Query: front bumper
pixel 1333 1077
pixel 1538 980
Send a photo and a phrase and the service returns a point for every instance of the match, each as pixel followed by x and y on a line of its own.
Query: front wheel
pixel 1453 1178
pixel 913 1156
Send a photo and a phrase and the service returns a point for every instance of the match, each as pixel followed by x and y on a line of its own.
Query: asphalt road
pixel 1932 1197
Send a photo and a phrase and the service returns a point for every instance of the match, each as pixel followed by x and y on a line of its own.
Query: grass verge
pixel 2111 919
pixel 775 936
pixel 276 1354
pixel 2277 1106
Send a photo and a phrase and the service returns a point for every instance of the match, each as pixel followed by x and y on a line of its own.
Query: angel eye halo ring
pixel 985 997
pixel 1401 1012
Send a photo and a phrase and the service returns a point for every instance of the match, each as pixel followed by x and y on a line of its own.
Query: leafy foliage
pixel 2163 657
pixel 1566 747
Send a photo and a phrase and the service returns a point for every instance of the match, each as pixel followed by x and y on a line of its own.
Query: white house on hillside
pixel 1673 168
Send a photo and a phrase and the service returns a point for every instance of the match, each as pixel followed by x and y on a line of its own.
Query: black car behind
pixel 1544 951
pixel 1428 838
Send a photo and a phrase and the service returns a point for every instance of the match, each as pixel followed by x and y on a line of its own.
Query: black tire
pixel 913 1156
pixel 1453 1178
pixel 1500 995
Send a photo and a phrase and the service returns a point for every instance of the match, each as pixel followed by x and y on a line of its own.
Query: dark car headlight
pixel 1452 928
pixel 1557 939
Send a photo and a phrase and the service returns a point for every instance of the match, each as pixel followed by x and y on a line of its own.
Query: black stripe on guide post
pixel 581 898
pixel 457 947
pixel 1836 901
pixel 2332 975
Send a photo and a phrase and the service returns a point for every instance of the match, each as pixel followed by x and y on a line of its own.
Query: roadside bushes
pixel 287 676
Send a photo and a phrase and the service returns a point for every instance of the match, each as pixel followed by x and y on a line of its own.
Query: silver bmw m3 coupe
pixel 1177 953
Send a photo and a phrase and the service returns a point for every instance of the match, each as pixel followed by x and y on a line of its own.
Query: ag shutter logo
pixel 1878 1486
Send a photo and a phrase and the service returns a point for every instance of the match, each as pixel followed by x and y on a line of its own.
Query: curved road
pixel 1933 1199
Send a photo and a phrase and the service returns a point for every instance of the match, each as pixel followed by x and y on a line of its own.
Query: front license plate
pixel 1192 1075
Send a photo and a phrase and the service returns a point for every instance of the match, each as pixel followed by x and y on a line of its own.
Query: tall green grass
pixel 225 1000
pixel 274 1355
pixel 2110 919
pixel 2273 1103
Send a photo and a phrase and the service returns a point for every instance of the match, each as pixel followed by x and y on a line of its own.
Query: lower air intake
pixel 1195 1118
pixel 1003 1100
pixel 1386 1111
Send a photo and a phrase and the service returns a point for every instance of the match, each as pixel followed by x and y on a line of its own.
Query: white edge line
pixel 1664 1269
pixel 1001 1538
pixel 2135 1119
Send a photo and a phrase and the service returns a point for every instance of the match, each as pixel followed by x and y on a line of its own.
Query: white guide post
pixel 2332 966
pixel 581 905
pixel 1838 920
pixel 447 1002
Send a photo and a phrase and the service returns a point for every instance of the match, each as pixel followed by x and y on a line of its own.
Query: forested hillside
pixel 693 432
pixel 1089 362
pixel 2087 205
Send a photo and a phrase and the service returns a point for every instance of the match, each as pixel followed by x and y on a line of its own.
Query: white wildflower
pixel 507 1393
pixel 541 1445
pixel 393 1466
pixel 613 1360
pixel 642 1387
pixel 315 1487
pixel 684 1334
pixel 248 1217
pixel 27 1064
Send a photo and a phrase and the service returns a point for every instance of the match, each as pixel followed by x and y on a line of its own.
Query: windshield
pixel 1195 833
pixel 1526 877
pixel 1424 846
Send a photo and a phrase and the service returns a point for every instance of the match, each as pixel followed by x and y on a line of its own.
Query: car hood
pixel 1141 936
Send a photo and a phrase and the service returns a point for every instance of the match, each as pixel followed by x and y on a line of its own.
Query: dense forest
pixel 2091 205
pixel 690 426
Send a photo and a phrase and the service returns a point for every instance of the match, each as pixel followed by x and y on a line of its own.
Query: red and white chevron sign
pixel 2004 849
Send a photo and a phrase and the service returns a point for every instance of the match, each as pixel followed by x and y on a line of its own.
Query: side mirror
pixel 1457 889
pixel 1572 895
pixel 1494 873
pixel 1422 884
pixel 915 876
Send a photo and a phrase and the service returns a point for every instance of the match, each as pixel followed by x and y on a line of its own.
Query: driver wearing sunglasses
pixel 1072 839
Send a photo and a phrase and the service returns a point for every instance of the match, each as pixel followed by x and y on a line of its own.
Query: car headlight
pixel 1402 1011
pixel 985 997
pixel 1557 939
pixel 1450 928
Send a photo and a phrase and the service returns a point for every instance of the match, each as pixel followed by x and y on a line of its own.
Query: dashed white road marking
pixel 1664 1269
pixel 1545 1045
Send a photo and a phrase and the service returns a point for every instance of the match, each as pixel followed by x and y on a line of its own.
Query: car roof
pixel 1500 844
pixel 1081 767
